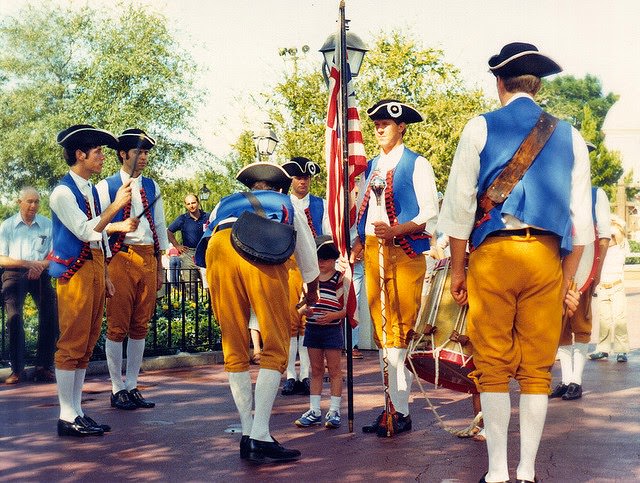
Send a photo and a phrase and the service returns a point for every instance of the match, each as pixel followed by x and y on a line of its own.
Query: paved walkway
pixel 190 436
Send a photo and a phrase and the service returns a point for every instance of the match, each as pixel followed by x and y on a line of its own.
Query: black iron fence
pixel 182 322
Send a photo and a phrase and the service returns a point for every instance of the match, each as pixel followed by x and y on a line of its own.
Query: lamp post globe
pixel 356 49
pixel 204 195
pixel 265 140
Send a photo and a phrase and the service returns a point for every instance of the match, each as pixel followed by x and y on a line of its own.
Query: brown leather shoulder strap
pixel 523 158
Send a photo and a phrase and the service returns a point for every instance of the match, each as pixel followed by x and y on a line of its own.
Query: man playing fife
pixel 77 261
pixel 517 279
pixel 136 266
pixel 398 212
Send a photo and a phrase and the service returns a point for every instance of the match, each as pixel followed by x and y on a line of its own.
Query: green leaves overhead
pixel 63 66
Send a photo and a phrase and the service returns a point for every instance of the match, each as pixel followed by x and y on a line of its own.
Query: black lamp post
pixel 266 140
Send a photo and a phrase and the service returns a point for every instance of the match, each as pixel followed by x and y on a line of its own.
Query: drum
pixel 439 350
pixel 586 272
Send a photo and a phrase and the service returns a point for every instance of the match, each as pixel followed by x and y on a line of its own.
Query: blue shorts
pixel 323 336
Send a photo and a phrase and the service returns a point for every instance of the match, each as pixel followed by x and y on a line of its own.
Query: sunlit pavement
pixel 191 434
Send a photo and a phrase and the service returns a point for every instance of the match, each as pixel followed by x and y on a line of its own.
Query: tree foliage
pixel 395 67
pixel 60 67
pixel 582 103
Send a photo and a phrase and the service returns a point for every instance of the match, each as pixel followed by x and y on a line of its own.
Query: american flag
pixel 335 167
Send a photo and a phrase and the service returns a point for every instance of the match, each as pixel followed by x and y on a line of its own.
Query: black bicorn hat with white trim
pixel 272 173
pixel 394 110
pixel 135 138
pixel 300 166
pixel 520 58
pixel 85 135
pixel 326 248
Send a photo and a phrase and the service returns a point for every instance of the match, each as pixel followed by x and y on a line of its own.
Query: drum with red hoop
pixel 439 351
pixel 588 266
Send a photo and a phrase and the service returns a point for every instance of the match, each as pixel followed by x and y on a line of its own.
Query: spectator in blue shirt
pixel 192 224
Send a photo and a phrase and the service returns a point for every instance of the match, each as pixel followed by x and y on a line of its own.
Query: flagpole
pixel 344 129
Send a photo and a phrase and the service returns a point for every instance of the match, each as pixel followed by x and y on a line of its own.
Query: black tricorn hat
pixel 272 173
pixel 395 110
pixel 135 138
pixel 520 58
pixel 85 135
pixel 300 166
pixel 325 248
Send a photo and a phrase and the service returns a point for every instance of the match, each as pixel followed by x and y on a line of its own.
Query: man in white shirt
pixel 517 279
pixel 25 241
pixel 314 210
pixel 395 221
pixel 77 260
pixel 136 265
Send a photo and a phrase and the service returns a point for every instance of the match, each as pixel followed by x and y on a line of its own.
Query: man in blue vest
pixel 314 209
pixel 242 283
pixel 77 260
pixel 517 278
pixel 397 216
pixel 135 265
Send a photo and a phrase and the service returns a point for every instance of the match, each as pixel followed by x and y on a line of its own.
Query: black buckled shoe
pixel 104 427
pixel 400 423
pixel 122 400
pixel 482 480
pixel 558 391
pixel 574 391
pixel 78 428
pixel 373 427
pixel 270 452
pixel 244 447
pixel 139 401
pixel 289 387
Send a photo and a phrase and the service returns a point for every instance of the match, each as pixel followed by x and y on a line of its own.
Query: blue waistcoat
pixel 404 198
pixel 114 182
pixel 316 208
pixel 542 196
pixel 276 206
pixel 66 246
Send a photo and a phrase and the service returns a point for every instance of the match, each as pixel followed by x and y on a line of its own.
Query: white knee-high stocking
pixel 135 353
pixel 78 384
pixel 291 364
pixel 496 412
pixel 533 413
pixel 580 350
pixel 265 393
pixel 240 384
pixel 64 382
pixel 566 363
pixel 305 362
pixel 113 350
